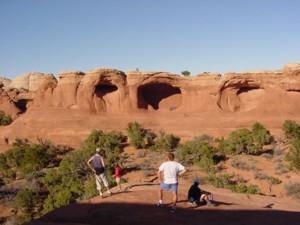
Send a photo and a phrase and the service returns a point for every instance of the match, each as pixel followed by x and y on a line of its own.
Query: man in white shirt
pixel 169 181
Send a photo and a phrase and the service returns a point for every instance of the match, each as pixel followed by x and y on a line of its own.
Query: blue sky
pixel 50 36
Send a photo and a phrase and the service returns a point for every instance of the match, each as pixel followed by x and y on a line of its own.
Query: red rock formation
pixel 187 106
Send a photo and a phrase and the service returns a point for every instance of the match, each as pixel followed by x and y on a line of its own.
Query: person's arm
pixel 89 164
pixel 102 162
pixel 160 176
pixel 182 171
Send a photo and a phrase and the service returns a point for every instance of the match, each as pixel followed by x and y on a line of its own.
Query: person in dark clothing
pixel 198 196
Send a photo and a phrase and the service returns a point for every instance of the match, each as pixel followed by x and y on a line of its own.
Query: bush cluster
pixel 68 179
pixel 246 141
pixel 25 158
pixel 73 175
pixel 139 137
pixel 5 119
pixel 292 131
pixel 224 181
pixel 199 152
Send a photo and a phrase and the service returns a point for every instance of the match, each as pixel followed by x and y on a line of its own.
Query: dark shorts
pixel 166 187
pixel 196 201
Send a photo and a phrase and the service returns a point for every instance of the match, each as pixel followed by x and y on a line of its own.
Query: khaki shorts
pixel 101 178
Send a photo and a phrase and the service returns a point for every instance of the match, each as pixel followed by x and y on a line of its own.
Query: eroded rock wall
pixel 67 108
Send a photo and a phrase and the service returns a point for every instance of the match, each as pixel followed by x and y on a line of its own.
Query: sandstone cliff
pixel 67 108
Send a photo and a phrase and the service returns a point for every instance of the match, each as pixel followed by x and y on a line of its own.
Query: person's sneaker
pixel 210 204
pixel 173 209
pixel 159 205
pixel 192 203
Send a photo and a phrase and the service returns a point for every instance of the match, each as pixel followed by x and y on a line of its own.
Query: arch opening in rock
pixel 241 99
pixel 104 89
pixel 22 104
pixel 159 96
pixel 104 96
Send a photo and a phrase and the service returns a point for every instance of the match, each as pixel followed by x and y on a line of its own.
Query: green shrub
pixel 3 163
pixel 64 185
pixel 5 119
pixel 241 140
pixel 90 189
pixel 138 136
pixel 35 158
pixel 48 205
pixel 199 152
pixel 291 129
pixel 27 158
pixel 9 176
pixel 224 181
pixel 219 181
pixel 293 156
pixel 242 188
pixel 165 142
pixel 246 141
pixel 226 147
pixel 185 73
pixel 261 136
pixel 110 142
pixel 16 153
pixel 26 200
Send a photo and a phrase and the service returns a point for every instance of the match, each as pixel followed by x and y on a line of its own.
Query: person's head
pixel 170 156
pixel 197 181
pixel 98 150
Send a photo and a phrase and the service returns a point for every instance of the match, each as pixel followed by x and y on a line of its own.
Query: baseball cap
pixel 197 181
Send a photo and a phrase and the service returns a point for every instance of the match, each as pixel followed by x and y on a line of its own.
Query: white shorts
pixel 101 178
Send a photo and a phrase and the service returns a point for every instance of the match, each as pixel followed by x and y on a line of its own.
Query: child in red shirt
pixel 117 175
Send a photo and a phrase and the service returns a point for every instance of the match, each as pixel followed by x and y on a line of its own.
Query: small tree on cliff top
pixel 185 73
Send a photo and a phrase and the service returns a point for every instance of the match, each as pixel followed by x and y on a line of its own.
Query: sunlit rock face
pixel 204 103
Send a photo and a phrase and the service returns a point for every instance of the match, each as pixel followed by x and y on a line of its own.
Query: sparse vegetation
pixel 293 189
pixel 239 164
pixel 270 179
pixel 224 181
pixel 5 119
pixel 64 177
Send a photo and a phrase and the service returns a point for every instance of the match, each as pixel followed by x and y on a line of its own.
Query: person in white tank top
pixel 98 165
